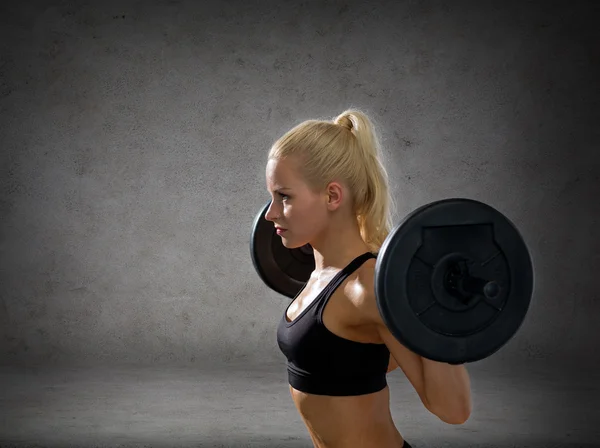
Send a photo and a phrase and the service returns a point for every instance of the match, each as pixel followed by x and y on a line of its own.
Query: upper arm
pixel 408 361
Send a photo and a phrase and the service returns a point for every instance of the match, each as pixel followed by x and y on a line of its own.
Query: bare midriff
pixel 362 421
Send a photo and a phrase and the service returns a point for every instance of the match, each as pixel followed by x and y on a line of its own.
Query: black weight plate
pixel 414 309
pixel 281 269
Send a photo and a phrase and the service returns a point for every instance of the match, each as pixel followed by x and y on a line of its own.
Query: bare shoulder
pixel 361 292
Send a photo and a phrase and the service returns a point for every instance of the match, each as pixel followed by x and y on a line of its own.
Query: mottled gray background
pixel 134 137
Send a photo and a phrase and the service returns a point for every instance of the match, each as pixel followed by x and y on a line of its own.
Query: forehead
pixel 281 174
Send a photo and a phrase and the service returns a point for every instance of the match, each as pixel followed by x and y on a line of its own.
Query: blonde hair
pixel 346 148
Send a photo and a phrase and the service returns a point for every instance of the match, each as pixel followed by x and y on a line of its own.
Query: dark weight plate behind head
pixel 426 303
pixel 281 269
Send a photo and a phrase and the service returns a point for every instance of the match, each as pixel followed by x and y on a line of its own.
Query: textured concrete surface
pixel 536 406
pixel 133 138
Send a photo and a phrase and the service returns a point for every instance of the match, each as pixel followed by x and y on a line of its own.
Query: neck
pixel 336 249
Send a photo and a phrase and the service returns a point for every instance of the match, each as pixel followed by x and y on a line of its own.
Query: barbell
pixel 453 280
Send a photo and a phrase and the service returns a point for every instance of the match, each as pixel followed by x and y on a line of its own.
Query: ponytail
pixel 372 198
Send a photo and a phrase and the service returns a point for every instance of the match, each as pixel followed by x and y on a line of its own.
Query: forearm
pixel 447 389
pixel 443 388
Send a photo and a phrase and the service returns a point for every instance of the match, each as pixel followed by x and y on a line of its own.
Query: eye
pixel 283 196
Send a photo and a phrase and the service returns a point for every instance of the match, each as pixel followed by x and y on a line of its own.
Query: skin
pixel 325 220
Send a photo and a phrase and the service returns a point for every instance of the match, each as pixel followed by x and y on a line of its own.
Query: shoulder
pixel 361 292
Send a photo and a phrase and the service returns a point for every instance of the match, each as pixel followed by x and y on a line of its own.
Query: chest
pixel 339 315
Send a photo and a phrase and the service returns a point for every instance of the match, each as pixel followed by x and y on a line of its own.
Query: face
pixel 294 207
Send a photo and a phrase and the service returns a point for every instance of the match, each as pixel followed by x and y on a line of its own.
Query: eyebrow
pixel 278 190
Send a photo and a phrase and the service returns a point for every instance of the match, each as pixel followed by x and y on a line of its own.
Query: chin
pixel 287 244
pixel 290 245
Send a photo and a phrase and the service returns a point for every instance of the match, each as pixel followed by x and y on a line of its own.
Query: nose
pixel 270 215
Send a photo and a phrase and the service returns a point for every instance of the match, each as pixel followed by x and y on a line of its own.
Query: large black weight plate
pixel 421 313
pixel 283 270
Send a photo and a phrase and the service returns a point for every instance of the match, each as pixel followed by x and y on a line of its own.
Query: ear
pixel 334 195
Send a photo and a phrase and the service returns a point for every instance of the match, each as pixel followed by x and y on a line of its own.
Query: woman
pixel 330 189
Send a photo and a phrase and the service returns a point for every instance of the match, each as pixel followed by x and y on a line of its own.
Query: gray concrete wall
pixel 134 136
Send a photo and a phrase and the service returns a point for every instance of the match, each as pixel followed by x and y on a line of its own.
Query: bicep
pixel 400 356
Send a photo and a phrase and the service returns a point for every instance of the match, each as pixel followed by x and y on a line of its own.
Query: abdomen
pixel 348 422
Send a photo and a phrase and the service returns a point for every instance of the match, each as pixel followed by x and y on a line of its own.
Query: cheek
pixel 307 218
pixel 297 217
pixel 312 220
